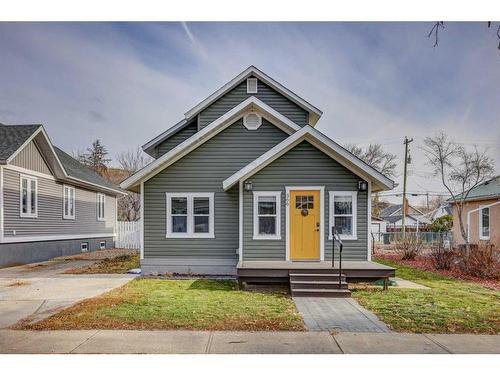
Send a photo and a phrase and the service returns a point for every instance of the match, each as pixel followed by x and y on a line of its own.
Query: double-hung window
pixel 484 223
pixel 101 203
pixel 28 196
pixel 266 215
pixel 68 202
pixel 190 215
pixel 343 214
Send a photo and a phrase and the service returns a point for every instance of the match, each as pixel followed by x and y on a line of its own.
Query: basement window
pixel 102 245
pixel 251 85
pixel 84 247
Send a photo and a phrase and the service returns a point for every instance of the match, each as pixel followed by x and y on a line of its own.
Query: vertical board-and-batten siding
pixel 50 210
pixel 176 139
pixel 204 170
pixel 31 158
pixel 264 92
pixel 303 165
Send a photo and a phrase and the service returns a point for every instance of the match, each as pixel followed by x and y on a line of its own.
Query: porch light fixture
pixel 248 185
pixel 362 186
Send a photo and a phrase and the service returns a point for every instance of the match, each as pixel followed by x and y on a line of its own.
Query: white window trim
pixel 69 217
pixel 190 215
pixel 354 195
pixel 481 237
pixel 248 86
pixel 102 245
pixel 29 178
pixel 256 196
pixel 101 218
pixel 86 245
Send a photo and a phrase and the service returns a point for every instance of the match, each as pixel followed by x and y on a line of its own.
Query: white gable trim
pixel 208 132
pixel 324 144
pixel 166 134
pixel 314 113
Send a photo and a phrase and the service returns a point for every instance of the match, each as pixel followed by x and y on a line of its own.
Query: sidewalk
pixel 170 342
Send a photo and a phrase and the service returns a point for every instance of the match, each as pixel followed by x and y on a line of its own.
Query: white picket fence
pixel 128 234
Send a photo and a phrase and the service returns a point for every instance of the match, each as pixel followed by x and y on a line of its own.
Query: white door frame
pixel 321 190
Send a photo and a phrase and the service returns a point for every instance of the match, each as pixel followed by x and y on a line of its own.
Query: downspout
pixel 475 210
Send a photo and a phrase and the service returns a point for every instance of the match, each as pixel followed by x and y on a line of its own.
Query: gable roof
pixel 250 104
pixel 391 210
pixel 77 171
pixel 12 137
pixel 487 190
pixel 323 143
pixel 314 113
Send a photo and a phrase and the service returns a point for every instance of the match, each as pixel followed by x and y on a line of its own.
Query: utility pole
pixel 406 143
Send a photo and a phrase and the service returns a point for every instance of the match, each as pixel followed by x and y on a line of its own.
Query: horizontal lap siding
pixel 50 210
pixel 176 139
pixel 303 165
pixel 265 93
pixel 204 170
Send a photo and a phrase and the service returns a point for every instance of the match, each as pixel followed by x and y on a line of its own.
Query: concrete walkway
pixel 130 342
pixel 42 289
pixel 338 315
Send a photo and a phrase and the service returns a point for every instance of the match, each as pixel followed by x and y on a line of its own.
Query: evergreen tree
pixel 95 158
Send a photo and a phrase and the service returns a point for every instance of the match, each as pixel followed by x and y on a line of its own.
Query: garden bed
pixel 425 263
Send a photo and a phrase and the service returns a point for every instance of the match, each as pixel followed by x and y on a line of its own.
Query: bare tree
pixel 460 171
pixel 439 25
pixel 376 157
pixel 131 161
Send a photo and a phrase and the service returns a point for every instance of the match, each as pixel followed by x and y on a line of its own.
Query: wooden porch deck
pixel 279 271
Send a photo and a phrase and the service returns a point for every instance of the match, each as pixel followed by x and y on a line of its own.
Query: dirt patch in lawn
pixel 425 263
pixel 179 304
pixel 117 264
pixel 99 254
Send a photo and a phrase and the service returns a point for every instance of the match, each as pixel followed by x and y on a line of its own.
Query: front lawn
pixel 179 304
pixel 450 306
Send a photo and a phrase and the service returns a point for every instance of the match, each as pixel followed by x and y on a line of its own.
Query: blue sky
pixel 375 82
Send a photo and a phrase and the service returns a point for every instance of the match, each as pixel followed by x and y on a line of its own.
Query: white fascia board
pixel 314 113
pixel 160 138
pixel 321 142
pixel 207 133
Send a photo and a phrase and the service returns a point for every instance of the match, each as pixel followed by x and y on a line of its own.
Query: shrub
pixel 409 247
pixel 482 261
pixel 442 224
pixel 442 258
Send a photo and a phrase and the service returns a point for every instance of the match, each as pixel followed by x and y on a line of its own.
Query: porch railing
pixel 336 237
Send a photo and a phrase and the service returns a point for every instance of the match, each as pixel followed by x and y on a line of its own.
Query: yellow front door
pixel 304 224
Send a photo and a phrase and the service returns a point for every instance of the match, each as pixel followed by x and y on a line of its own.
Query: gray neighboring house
pixel 245 185
pixel 50 204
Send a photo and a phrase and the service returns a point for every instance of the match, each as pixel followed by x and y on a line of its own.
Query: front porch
pixel 279 271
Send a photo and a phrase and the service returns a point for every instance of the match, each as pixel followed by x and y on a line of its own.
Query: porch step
pixel 334 293
pixel 316 276
pixel 319 284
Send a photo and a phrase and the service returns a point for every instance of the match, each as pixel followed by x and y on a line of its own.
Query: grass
pixel 450 306
pixel 179 304
pixel 119 264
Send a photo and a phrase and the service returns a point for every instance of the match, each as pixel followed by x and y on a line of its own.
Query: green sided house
pixel 245 185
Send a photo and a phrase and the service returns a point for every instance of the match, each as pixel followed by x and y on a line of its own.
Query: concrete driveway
pixel 41 289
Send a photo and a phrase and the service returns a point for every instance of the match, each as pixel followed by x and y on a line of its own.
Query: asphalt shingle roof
pixel 12 137
pixel 389 211
pixel 488 189
pixel 77 170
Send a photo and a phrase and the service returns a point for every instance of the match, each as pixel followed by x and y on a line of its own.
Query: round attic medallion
pixel 252 121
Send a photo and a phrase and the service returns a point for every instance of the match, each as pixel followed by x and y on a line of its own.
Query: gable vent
pixel 251 85
pixel 252 121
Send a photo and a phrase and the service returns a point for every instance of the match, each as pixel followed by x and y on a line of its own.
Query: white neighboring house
pixel 443 210
pixel 378 226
